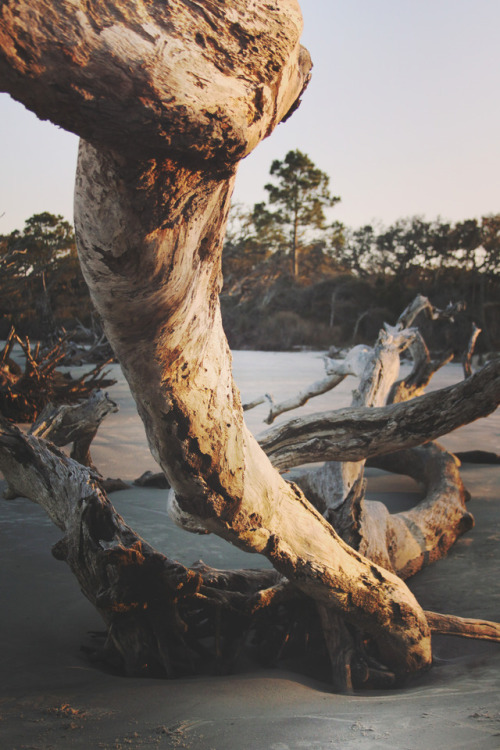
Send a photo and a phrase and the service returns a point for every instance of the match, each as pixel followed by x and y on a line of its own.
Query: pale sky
pixel 403 113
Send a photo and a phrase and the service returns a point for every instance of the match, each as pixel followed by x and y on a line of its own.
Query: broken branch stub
pixel 75 423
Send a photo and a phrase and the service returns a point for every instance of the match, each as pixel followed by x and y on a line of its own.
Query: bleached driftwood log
pixel 342 483
pixel 400 542
pixel 169 98
pixel 353 434
pixel 336 371
pixel 358 357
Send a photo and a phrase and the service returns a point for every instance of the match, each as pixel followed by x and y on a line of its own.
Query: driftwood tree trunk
pixel 169 340
pixel 168 99
pixel 402 542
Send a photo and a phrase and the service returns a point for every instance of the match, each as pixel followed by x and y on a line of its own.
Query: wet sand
pixel 51 697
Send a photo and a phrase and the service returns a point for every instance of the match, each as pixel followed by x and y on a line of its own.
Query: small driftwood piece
pixel 86 346
pixel 74 423
pixel 152 479
pixel 78 424
pixel 463 627
pixel 477 457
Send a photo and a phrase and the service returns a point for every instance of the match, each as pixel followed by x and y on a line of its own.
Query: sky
pixel 402 112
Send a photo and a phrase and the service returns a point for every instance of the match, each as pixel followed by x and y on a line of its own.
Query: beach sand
pixel 52 697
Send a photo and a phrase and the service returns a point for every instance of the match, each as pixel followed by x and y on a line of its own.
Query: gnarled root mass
pixel 24 392
pixel 163 618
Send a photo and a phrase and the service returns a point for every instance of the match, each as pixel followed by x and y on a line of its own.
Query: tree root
pixel 462 627
pixel 163 618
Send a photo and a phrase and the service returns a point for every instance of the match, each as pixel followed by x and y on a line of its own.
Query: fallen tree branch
pixel 467 358
pixel 422 303
pixel 257 402
pixel 403 542
pixel 408 541
pixel 137 590
pixel 336 371
pixel 352 434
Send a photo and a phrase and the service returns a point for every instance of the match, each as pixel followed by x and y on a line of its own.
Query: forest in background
pixel 293 276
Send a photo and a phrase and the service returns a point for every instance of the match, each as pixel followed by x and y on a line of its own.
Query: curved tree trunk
pixel 169 339
pixel 153 187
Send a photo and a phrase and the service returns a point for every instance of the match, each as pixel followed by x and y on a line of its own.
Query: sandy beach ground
pixel 51 697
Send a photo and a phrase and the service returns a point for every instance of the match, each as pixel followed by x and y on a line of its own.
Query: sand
pixel 51 697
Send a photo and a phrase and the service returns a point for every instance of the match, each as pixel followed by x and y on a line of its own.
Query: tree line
pixel 42 288
pixel 293 275
pixel 294 222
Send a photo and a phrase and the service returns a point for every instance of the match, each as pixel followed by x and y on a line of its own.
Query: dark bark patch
pixel 204 248
pixel 258 102
pixel 98 520
pixel 243 37
pixel 377 574
pixel 23 53
pixel 396 613
pixel 200 40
